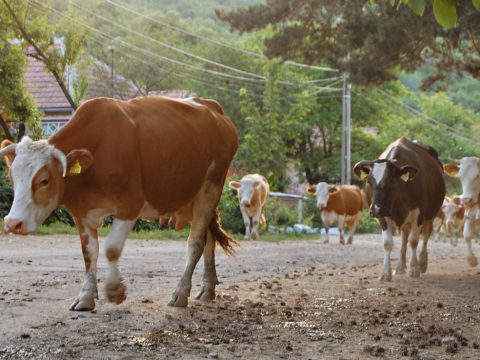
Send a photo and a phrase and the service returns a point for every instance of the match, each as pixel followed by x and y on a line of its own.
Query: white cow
pixel 468 171
pixel 253 192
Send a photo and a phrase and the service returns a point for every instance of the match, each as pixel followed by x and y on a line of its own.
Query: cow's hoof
pixel 116 292
pixel 385 277
pixel 423 263
pixel 350 241
pixel 414 272
pixel 472 260
pixel 342 241
pixel 206 294
pixel 401 269
pixel 247 238
pixel 178 300
pixel 254 236
pixel 85 302
pixel 325 241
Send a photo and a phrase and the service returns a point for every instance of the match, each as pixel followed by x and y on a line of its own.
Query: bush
pixel 367 224
pixel 229 209
pixel 280 213
pixel 6 192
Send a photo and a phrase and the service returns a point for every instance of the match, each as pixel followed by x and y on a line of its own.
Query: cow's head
pixel 451 207
pixel 245 189
pixel 468 171
pixel 385 179
pixel 322 191
pixel 37 170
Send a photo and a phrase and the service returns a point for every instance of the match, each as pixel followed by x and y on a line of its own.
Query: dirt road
pixel 287 300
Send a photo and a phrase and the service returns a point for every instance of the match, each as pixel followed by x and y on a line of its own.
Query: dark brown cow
pixel 150 157
pixel 405 189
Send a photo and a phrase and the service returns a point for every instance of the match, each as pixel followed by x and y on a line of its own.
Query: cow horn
pixel 8 149
pixel 60 156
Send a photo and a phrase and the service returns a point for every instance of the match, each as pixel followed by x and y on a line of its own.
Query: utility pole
pixel 112 71
pixel 346 136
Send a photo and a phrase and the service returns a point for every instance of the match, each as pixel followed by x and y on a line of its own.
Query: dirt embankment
pixel 287 300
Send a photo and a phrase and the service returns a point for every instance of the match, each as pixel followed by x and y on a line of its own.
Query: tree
pixel 445 11
pixel 32 26
pixel 16 104
pixel 370 45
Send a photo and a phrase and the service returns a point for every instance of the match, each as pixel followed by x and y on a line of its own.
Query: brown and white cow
pixel 149 157
pixel 253 192
pixel 339 203
pixel 468 171
pixel 405 188
pixel 438 223
pixel 454 218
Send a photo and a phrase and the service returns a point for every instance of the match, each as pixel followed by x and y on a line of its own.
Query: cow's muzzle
pixel 15 226
pixel 377 212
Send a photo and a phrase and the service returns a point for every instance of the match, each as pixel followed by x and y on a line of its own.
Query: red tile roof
pixel 43 86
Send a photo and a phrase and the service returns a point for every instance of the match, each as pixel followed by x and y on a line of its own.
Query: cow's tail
pixel 220 236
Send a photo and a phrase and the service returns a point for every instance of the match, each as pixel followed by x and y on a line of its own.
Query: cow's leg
pixel 248 223
pixel 114 286
pixel 402 264
pixel 209 272
pixel 352 227
pixel 326 222
pixel 414 270
pixel 387 247
pixel 468 235
pixel 341 225
pixel 203 209
pixel 256 223
pixel 89 241
pixel 426 232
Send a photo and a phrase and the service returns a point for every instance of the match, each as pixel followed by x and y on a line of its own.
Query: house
pixel 55 107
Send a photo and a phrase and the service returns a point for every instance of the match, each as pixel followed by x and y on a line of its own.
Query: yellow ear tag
pixel 363 174
pixel 405 177
pixel 76 168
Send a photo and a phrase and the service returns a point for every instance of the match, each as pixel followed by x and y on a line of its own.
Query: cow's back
pixel 150 149
pixel 426 190
pixel 348 200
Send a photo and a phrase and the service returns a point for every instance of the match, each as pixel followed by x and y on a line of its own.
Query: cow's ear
pixel 407 173
pixel 363 168
pixel 312 189
pixel 333 189
pixel 235 185
pixel 78 161
pixel 451 169
pixel 9 156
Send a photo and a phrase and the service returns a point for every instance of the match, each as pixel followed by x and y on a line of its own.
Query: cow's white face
pixel 245 189
pixel 37 171
pixel 469 175
pixel 322 191
pixel 450 209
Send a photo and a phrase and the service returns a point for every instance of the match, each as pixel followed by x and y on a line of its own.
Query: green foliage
pixel 6 193
pixel 280 213
pixel 367 224
pixel 229 209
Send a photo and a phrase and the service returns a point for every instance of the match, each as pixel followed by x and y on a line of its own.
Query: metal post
pixel 112 71
pixel 346 135
pixel 300 210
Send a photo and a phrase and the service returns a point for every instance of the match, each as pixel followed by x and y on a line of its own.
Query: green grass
pixel 61 228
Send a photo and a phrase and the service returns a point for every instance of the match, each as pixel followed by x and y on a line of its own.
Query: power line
pixel 167 59
pixel 417 112
pixel 163 58
pixel 167 46
pixel 439 126
pixel 219 43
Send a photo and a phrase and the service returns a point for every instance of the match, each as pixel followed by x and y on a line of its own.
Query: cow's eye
pixel 44 183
